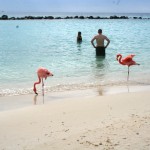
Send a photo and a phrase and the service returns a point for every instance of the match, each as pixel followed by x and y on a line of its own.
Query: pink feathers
pixel 42 73
pixel 126 61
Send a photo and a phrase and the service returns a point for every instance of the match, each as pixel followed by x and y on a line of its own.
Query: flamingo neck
pixel 120 58
pixel 34 89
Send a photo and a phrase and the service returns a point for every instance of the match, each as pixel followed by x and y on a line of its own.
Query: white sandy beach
pixel 109 122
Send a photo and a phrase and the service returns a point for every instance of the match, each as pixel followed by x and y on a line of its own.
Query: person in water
pixel 100 47
pixel 79 37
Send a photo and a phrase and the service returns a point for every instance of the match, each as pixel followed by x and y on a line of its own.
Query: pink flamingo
pixel 42 73
pixel 126 61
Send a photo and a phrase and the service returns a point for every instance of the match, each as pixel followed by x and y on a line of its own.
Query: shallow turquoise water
pixel 52 44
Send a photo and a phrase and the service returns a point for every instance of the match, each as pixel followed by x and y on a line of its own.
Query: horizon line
pixel 66 12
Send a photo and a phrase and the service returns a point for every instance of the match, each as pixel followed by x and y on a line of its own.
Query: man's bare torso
pixel 100 40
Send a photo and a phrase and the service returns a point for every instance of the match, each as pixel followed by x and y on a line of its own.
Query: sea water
pixel 26 45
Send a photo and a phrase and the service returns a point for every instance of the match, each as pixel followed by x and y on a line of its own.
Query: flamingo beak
pixel 50 74
pixel 117 57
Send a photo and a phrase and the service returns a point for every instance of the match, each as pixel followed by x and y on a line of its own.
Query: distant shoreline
pixel 5 17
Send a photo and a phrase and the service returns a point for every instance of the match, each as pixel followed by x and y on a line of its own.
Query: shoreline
pixel 22 101
pixel 23 89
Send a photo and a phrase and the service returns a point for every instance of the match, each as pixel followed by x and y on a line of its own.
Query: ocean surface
pixel 26 45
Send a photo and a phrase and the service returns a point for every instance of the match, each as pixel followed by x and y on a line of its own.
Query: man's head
pixel 100 31
pixel 79 33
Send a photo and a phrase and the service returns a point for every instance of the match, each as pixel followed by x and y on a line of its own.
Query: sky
pixel 106 6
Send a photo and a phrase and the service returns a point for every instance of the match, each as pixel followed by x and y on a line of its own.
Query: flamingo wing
pixel 128 58
pixel 131 56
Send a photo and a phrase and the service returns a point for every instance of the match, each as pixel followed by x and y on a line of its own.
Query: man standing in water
pixel 100 47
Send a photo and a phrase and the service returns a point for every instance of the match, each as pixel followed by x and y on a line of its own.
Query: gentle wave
pixel 70 87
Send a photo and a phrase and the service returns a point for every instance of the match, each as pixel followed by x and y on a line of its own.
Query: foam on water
pixel 72 87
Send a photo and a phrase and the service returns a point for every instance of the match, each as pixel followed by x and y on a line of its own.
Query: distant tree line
pixel 5 17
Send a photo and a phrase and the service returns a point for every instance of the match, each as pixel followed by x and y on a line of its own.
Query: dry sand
pixel 110 122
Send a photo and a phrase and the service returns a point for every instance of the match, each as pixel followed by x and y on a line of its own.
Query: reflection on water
pixel 79 45
pixel 100 67
pixel 100 62
pixel 100 91
pixel 35 100
pixel 128 88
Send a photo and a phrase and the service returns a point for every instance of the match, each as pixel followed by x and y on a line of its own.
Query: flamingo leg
pixel 43 89
pixel 128 74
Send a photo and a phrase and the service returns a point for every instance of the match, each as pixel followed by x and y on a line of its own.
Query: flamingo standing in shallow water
pixel 42 73
pixel 126 61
